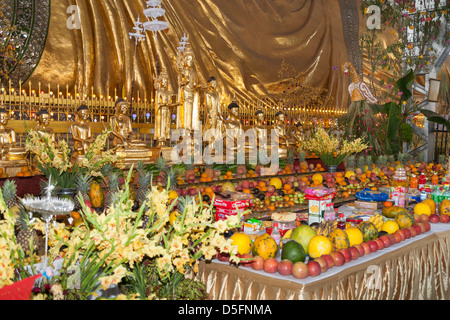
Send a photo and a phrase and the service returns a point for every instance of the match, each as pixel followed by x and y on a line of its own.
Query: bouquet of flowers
pixel 148 254
pixel 54 158
pixel 331 150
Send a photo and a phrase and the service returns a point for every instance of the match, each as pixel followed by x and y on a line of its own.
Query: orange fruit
pixel 387 204
pixel 19 174
pixel 75 215
pixel 27 174
pixel 1 170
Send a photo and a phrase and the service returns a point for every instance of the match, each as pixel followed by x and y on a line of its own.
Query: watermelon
pixel 292 250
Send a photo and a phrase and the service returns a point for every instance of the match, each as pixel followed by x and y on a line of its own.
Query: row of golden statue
pixel 131 148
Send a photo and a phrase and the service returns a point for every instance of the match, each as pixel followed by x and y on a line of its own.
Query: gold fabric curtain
pixel 241 43
pixel 419 270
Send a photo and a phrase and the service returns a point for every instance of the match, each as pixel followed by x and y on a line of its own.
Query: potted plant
pixel 331 150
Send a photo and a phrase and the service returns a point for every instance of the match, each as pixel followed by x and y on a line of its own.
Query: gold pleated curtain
pixel 241 43
pixel 416 271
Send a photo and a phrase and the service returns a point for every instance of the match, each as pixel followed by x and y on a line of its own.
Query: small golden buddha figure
pixel 260 130
pixel 233 128
pixel 9 150
pixel 298 134
pixel 163 110
pixel 122 129
pixel 281 134
pixel 82 132
pixel 129 146
pixel 43 120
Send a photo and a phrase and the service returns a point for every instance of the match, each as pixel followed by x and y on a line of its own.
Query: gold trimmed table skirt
pixel 415 269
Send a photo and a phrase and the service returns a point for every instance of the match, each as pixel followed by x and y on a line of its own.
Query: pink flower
pixel 400 93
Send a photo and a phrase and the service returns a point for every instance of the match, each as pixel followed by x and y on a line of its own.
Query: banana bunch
pixel 326 227
pixel 377 220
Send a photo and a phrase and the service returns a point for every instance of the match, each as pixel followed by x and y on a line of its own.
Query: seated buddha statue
pixel 9 150
pixel 232 126
pixel 43 124
pixel 128 145
pixel 282 137
pixel 81 132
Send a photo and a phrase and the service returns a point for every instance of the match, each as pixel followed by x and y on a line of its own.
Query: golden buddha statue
pixel 260 130
pixel 233 128
pixel 212 106
pixel 298 134
pixel 128 145
pixel 281 134
pixel 188 111
pixel 9 151
pixel 81 132
pixel 43 120
pixel 163 107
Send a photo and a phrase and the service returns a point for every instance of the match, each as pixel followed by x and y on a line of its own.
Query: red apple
pixel 258 263
pixel 247 260
pixel 224 257
pixel 354 252
pixel 285 267
pixel 88 203
pixel 380 243
pixel 417 217
pixel 418 229
pixel 386 241
pixel 424 218
pixel 407 233
pixel 422 227
pixel 323 264
pixel 392 238
pixel 398 236
pixel 434 218
pixel 329 259
pixel 366 247
pixel 360 249
pixel 338 258
pixel 270 265
pixel 427 226
pixel 373 245
pixel 347 254
pixel 314 268
pixel 300 270
pixel 444 218
pixel 413 231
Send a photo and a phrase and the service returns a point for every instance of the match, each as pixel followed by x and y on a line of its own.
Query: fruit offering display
pixel 310 250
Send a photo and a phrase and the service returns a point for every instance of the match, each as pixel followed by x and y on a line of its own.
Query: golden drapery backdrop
pixel 241 43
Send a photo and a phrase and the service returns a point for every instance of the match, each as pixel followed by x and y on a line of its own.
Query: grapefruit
pixel 228 186
pixel 276 182
pixel 303 234
pixel 319 246
pixel 242 241
pixel 355 236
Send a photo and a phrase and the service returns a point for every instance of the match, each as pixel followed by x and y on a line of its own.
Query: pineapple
pixel 26 233
pixel 351 161
pixel 302 160
pixel 144 183
pixel 161 165
pixel 209 170
pixel 361 162
pixel 83 186
pixel 171 178
pixel 9 190
pixel 369 162
pixel 391 159
pixel 290 159
pixel 189 173
pixel 113 187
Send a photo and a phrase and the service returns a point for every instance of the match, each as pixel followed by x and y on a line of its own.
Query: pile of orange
pixel 228 175
pixel 205 178
pixel 3 174
pixel 24 172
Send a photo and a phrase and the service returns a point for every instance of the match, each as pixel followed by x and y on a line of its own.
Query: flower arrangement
pixel 147 254
pixel 331 150
pixel 54 158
